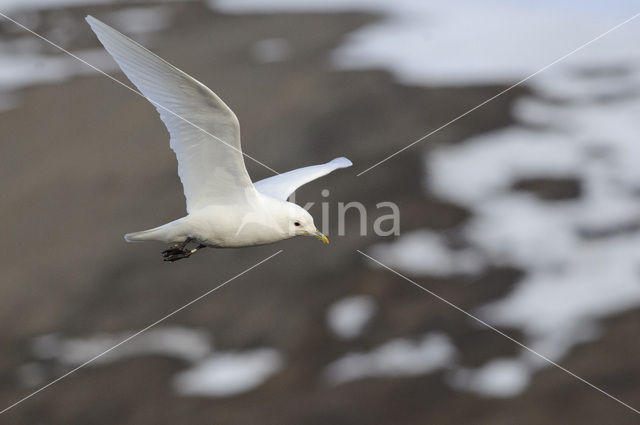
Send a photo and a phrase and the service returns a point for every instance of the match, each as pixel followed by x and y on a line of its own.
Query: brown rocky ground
pixel 85 161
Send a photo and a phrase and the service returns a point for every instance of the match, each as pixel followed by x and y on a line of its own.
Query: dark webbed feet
pixel 175 254
pixel 180 251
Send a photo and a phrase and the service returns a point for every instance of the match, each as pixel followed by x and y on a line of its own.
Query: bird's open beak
pixel 320 236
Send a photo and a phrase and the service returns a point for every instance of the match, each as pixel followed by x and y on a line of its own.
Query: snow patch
pixel 347 317
pixel 177 342
pixel 223 375
pixel 210 373
pixel 497 378
pixel 423 252
pixel 20 69
pixel 396 358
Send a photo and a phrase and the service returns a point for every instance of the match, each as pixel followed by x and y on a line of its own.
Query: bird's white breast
pixel 240 225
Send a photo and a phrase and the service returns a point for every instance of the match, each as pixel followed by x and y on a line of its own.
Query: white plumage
pixel 281 186
pixel 224 208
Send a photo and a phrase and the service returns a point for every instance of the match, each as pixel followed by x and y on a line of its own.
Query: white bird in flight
pixel 224 208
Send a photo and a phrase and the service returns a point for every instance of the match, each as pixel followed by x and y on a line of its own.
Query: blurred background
pixel 525 213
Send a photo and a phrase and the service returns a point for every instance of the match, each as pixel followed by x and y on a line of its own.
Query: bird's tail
pixel 145 235
pixel 166 233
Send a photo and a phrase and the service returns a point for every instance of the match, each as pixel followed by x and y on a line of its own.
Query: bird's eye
pixel 297 223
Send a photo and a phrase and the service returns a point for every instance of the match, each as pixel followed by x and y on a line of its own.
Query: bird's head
pixel 301 223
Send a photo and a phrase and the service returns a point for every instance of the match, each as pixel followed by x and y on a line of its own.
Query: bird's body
pixel 228 226
pixel 224 208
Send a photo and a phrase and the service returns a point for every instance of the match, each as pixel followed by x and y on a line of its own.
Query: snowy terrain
pixel 210 373
pixel 462 42
pixel 27 61
pixel 580 122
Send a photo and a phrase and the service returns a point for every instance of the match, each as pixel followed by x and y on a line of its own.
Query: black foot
pixel 180 251
pixel 176 249
pixel 176 254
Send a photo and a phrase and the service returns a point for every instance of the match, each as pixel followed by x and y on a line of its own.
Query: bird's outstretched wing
pixel 283 185
pixel 205 134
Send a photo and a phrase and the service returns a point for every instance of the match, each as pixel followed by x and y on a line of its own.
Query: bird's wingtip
pixel 342 162
pixel 94 23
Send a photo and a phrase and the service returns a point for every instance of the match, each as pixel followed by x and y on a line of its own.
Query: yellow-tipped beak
pixel 320 236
